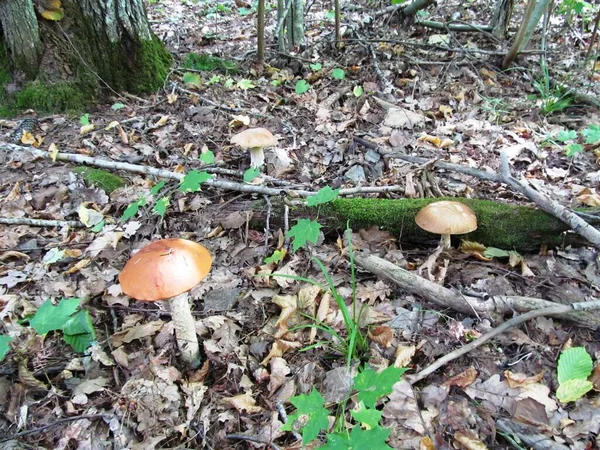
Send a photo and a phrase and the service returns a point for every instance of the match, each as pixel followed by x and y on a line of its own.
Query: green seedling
pixel 302 86
pixel 574 368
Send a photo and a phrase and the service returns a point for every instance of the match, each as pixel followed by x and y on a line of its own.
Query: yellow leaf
pixel 85 129
pixel 162 121
pixel 54 15
pixel 112 125
pixel 53 151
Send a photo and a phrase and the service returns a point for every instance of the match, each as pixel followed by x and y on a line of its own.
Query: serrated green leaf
pixel 372 386
pixel 357 91
pixel 192 181
pixel 4 347
pixel 574 364
pixel 367 417
pixel 566 135
pixel 302 86
pixel 304 231
pixel 228 82
pixel 592 134
pixel 493 252
pixel 359 439
pixel 85 119
pixel 323 195
pixel 192 79
pixel 155 189
pixel 117 106
pixel 311 410
pixel 244 84
pixel 130 211
pixel 250 174
pixel 214 79
pixel 207 157
pixel 572 149
pixel 316 67
pixel 79 331
pixel 275 257
pixel 338 74
pixel 572 390
pixel 161 205
pixel 50 318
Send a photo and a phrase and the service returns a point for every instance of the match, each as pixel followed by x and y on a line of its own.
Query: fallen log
pixel 510 227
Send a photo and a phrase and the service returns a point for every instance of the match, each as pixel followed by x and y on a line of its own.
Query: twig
pixel 531 436
pixel 267 223
pixel 553 311
pixel 53 424
pixel 243 437
pixel 40 222
pixel 577 224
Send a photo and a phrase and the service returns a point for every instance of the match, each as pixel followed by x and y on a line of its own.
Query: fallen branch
pixel 492 307
pixel 53 424
pixel 40 222
pixel 215 183
pixel 530 435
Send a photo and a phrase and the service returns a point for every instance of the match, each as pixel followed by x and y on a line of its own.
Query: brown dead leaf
pixel 279 348
pixel 244 402
pixel 382 335
pixel 468 441
pixel 404 354
pixel 463 379
pixel 136 332
pixel 404 118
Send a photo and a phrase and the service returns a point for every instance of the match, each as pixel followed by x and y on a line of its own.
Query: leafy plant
pixel 76 325
pixel 316 67
pixel 338 74
pixel 574 367
pixel 311 416
pixel 302 86
pixel 133 208
pixel 209 63
pixel 357 91
pixel 553 98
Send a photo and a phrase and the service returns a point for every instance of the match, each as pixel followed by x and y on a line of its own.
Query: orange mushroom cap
pixel 164 269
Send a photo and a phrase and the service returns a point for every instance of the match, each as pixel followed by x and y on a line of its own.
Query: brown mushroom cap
pixel 165 268
pixel 254 137
pixel 447 217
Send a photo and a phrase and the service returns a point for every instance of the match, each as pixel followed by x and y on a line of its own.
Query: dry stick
pixel 577 224
pixel 530 435
pixel 40 222
pixel 53 424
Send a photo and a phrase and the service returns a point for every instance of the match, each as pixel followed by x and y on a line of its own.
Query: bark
pixel 500 225
pixel 501 17
pixel 21 35
pixel 260 30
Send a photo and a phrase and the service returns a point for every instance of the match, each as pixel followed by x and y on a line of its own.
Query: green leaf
pixel 49 317
pixel 161 205
pixel 397 2
pixel 357 91
pixel 192 79
pixel 4 347
pixel 574 364
pixel 323 195
pixel 338 74
pixel 316 67
pixel 79 331
pixel 301 87
pixel 310 410
pixel 214 79
pixel 117 106
pixel 572 149
pixel 85 119
pixel 371 385
pixel 250 174
pixel 192 181
pixel 330 15
pixel 277 256
pixel 368 418
pixel 566 135
pixel 493 252
pixel 228 83
pixel 592 134
pixel 155 189
pixel 572 390
pixel 207 157
pixel 244 84
pixel 98 227
pixel 130 211
pixel 53 255
pixel 359 439
pixel 304 231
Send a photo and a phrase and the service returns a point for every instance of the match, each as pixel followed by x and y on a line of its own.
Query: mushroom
pixel 255 139
pixel 167 270
pixel 447 218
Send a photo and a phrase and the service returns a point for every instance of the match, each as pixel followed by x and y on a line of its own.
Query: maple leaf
pixel 304 231
pixel 192 181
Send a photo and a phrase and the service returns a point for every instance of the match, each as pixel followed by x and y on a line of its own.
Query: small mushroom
pixel 447 218
pixel 167 270
pixel 255 139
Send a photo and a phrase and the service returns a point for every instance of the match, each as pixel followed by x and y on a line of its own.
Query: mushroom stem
pixel 185 329
pixel 446 241
pixel 257 157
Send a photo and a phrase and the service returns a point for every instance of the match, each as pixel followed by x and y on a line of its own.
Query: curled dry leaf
pixel 244 402
pixel 463 379
pixel 382 335
pixel 404 354
pixel 516 380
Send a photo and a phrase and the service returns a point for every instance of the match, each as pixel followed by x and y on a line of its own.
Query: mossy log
pixel 510 227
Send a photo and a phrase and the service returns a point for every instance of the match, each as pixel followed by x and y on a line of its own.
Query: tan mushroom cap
pixel 164 269
pixel 254 137
pixel 447 217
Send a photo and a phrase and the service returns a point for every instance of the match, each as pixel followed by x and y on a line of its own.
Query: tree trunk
pixel 500 225
pixel 96 44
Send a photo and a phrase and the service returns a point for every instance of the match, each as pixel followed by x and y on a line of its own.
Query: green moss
pixel 209 63
pixel 512 225
pixel 102 179
pixel 54 97
pixel 154 64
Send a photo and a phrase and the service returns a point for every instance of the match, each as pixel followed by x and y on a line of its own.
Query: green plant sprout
pixel 311 416
pixel 338 74
pixel 302 86
pixel 553 98
pixel 76 325
pixel 574 368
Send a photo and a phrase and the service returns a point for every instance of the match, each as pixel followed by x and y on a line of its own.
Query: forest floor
pixel 434 94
